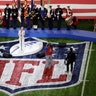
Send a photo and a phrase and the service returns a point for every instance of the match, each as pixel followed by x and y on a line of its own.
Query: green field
pixel 87 87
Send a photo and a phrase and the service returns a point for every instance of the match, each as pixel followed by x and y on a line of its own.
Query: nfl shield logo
pixel 25 71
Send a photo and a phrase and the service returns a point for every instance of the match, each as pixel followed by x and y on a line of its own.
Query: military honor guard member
pixel 58 15
pixel 68 17
pixel 35 16
pixel 22 14
pixel 7 12
pixel 14 15
pixel 28 17
pixel 69 12
pixel 43 16
pixel 50 16
pixel 75 22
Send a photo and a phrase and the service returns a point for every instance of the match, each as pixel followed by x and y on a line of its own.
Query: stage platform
pixel 54 33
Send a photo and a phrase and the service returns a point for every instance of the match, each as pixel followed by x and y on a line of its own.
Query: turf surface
pixel 90 85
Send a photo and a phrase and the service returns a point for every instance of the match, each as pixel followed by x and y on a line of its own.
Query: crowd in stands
pixel 30 16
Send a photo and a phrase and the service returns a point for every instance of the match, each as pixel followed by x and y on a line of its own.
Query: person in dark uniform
pixel 58 15
pixel 7 12
pixel 50 16
pixel 14 16
pixel 22 15
pixel 71 57
pixel 75 22
pixel 35 17
pixel 28 18
pixel 43 15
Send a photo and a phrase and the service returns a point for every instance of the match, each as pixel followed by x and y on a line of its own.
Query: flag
pixel 32 3
pixel 19 15
pixel 14 3
pixel 25 3
pixel 42 2
pixel 48 1
pixel 18 4
pixel 25 8
pixel 19 11
pixel 83 9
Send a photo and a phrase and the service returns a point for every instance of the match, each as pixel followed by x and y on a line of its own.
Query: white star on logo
pixel 2 47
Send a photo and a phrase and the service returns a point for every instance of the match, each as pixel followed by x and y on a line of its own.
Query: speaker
pixel 7 55
pixel 62 45
pixel 41 55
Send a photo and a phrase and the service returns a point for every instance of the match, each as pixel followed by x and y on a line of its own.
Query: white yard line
pixel 84 82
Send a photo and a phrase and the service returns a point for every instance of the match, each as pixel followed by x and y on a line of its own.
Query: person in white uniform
pixel 21 34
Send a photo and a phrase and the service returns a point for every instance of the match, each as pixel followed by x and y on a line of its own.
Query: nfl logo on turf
pixel 28 72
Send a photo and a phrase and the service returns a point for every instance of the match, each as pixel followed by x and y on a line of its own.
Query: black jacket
pixel 7 12
pixel 71 57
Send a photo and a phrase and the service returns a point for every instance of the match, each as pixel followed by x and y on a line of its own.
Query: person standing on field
pixel 71 57
pixel 48 53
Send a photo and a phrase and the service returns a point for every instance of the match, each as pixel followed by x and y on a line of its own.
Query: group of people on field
pixel 69 59
pixel 30 16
